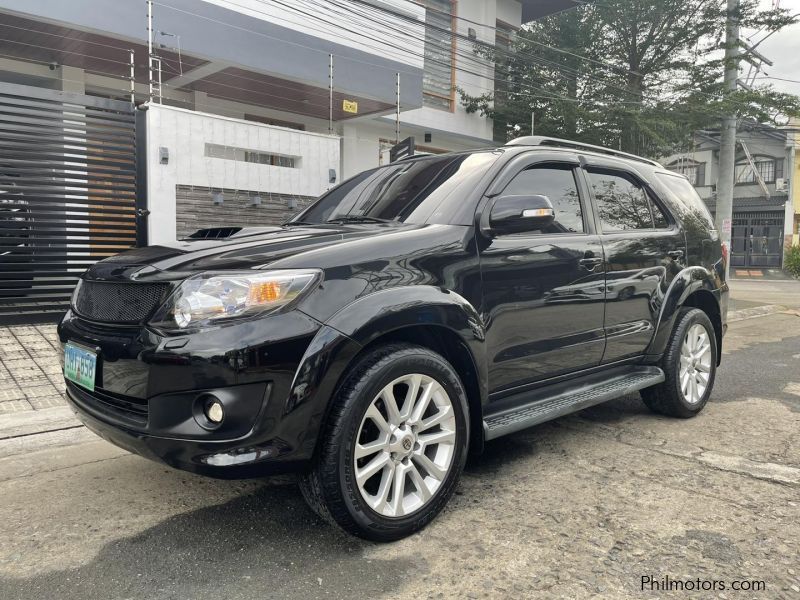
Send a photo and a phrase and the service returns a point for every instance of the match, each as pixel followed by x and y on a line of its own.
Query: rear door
pixel 645 247
pixel 543 291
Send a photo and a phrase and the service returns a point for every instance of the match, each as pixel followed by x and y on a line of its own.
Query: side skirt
pixel 544 404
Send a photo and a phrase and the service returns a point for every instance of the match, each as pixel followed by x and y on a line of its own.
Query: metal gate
pixel 67 194
pixel 757 240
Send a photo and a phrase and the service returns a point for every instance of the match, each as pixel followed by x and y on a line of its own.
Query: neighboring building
pixel 763 215
pixel 793 225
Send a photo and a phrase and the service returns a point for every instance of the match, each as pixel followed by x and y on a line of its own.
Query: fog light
pixel 214 411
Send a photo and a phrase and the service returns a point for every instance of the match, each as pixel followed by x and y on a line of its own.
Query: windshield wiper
pixel 357 219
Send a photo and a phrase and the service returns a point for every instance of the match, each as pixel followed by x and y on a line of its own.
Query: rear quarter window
pixel 686 200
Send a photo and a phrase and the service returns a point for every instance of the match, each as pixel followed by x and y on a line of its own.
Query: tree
pixel 639 75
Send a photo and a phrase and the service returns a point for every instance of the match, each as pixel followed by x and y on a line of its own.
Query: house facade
pixel 322 88
pixel 763 222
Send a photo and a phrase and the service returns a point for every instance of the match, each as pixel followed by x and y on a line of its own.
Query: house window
pixel 694 171
pixel 769 169
pixel 252 156
pixel 438 79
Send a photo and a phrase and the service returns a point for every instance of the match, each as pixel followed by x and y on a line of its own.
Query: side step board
pixel 569 400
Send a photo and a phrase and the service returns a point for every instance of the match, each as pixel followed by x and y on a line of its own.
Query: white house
pixel 256 107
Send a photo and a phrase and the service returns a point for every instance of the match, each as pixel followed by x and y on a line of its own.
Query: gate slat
pixel 68 177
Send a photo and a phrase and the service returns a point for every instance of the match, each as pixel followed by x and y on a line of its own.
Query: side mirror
pixel 517 214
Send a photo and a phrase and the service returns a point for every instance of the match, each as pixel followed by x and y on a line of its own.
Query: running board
pixel 569 400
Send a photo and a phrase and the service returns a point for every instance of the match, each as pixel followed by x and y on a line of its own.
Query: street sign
pixel 350 106
pixel 726 226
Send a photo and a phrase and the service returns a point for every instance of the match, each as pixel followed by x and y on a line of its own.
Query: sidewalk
pixel 30 370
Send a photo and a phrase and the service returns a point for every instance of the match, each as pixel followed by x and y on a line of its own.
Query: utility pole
pixel 330 94
pixel 727 146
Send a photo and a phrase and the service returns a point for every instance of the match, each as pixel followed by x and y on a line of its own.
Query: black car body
pixel 403 253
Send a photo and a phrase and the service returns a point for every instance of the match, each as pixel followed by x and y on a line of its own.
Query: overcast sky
pixel 783 48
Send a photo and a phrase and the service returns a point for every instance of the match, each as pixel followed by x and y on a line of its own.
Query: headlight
pixel 215 298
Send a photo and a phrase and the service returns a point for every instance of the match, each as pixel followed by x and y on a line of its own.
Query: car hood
pixel 248 248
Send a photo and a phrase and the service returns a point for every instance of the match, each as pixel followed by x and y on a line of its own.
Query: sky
pixel 783 48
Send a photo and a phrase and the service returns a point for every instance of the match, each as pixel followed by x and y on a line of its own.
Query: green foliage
pixel 792 262
pixel 640 75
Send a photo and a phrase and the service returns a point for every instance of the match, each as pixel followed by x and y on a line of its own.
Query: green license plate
pixel 80 365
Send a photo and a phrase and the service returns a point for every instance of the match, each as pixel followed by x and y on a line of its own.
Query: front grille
pixel 126 408
pixel 118 302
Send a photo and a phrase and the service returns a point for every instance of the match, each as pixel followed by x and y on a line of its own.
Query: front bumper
pixel 226 459
pixel 149 389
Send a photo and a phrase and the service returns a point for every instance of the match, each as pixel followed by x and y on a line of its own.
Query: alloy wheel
pixel 695 366
pixel 405 445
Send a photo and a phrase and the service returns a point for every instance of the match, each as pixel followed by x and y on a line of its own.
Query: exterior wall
pixel 509 12
pixel 195 210
pixel 793 206
pixel 474 76
pixel 185 134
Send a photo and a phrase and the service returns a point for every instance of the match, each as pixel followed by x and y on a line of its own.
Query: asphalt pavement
pixel 583 507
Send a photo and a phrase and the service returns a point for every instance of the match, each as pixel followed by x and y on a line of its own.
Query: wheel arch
pixel 694 287
pixel 705 301
pixel 431 317
pixel 451 347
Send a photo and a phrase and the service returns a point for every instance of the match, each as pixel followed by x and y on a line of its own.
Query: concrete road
pixel 746 293
pixel 580 508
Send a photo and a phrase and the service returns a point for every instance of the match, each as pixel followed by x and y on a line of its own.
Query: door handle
pixel 590 264
pixel 676 254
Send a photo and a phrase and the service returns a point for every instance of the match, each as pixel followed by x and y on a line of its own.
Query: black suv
pixel 411 314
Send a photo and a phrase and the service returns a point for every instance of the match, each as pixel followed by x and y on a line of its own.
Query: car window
pixel 405 191
pixel 558 184
pixel 683 194
pixel 659 218
pixel 621 202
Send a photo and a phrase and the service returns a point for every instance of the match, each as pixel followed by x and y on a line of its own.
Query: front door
pixel 645 248
pixel 543 291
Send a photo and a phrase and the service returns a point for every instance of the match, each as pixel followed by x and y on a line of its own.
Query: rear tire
pixel 689 364
pixel 398 422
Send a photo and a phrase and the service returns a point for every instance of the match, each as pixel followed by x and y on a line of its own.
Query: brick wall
pixel 195 210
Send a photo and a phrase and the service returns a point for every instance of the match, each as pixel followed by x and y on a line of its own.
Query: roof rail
pixel 540 140
pixel 415 155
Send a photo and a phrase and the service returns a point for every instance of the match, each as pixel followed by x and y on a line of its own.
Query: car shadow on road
pixel 265 544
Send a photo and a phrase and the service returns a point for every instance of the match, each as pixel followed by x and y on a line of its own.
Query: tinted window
pixel 621 202
pixel 659 218
pixel 558 184
pixel 682 191
pixel 404 191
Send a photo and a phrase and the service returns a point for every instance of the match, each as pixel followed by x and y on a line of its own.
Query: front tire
pixel 394 446
pixel 689 364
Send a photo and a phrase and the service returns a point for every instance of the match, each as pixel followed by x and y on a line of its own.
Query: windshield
pixel 406 191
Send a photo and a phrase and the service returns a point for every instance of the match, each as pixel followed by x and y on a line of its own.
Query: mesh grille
pixel 118 302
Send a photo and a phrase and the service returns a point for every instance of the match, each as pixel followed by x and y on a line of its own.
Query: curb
pixel 758 311
pixel 32 422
